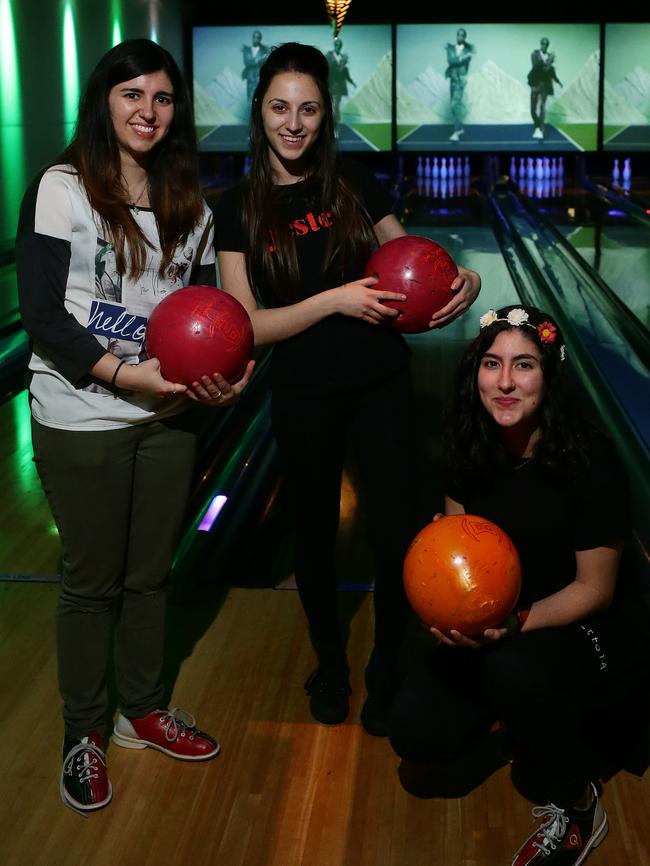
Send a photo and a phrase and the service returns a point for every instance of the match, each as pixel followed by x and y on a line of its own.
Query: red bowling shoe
pixel 173 732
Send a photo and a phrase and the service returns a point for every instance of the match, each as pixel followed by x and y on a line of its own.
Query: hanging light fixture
pixel 337 10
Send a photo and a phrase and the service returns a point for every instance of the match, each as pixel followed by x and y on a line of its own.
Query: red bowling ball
pixel 198 331
pixel 462 572
pixel 418 268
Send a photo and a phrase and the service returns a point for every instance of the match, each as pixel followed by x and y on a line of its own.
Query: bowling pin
pixel 530 168
pixel 513 168
pixel 554 167
pixel 616 172
pixel 420 168
pixel 560 166
pixel 427 166
pixel 547 168
pixel 443 188
pixel 627 170
pixel 452 171
pixel 435 170
pixel 539 168
pixel 443 168
pixel 466 167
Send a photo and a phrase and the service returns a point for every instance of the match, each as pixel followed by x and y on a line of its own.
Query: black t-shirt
pixel 339 352
pixel 548 521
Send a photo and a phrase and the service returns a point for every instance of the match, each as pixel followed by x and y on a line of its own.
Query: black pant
pixel 312 432
pixel 548 686
pixel 118 498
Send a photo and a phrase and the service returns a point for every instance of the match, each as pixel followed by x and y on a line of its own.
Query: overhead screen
pixel 225 66
pixel 479 95
pixel 626 91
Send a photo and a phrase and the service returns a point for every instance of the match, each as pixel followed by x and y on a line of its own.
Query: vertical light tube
pixel 116 16
pixel 154 20
pixel 70 71
pixel 12 151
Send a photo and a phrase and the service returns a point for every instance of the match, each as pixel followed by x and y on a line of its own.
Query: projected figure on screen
pixel 339 77
pixel 254 56
pixel 459 55
pixel 541 78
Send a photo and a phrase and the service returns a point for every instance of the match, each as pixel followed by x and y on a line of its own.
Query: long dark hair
pixel 271 263
pixel 474 446
pixel 174 191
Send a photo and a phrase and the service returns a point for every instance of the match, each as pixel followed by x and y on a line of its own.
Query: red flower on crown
pixel 547 332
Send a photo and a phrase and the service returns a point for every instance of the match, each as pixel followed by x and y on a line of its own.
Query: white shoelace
pixel 178 722
pixel 87 769
pixel 552 830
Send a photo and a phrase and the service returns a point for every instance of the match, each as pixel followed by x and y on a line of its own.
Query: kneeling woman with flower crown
pixel 565 675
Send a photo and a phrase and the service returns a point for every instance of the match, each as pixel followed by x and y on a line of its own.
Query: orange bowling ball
pixel 462 572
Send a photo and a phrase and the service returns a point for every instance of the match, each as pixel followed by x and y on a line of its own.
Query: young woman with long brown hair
pixel 106 232
pixel 292 242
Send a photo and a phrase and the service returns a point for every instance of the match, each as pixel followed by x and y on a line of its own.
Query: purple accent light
pixel 212 512
pixel 616 213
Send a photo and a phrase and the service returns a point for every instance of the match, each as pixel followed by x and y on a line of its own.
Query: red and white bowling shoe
pixel 84 783
pixel 173 732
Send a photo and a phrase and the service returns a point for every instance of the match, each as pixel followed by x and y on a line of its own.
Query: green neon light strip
pixel 116 16
pixel 12 151
pixel 10 106
pixel 70 70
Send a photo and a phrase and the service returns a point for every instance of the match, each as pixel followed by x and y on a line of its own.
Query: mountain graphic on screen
pixel 494 95
pixel 635 89
pixel 371 104
pixel 227 89
pixel 411 110
pixel 578 101
pixel 207 112
pixel 617 109
pixel 429 89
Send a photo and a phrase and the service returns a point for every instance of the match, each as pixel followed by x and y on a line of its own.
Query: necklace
pixel 135 202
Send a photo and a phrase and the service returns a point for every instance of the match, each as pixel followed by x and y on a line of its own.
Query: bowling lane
pixel 619 250
pixel 614 244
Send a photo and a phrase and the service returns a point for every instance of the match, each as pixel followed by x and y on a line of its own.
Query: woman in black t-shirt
pixel 572 660
pixel 295 237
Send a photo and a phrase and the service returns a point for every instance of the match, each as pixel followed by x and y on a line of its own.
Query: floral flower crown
pixel 546 331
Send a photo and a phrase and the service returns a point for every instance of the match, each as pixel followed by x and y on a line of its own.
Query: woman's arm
pixel 453 507
pixel 590 592
pixel 43 255
pixel 356 299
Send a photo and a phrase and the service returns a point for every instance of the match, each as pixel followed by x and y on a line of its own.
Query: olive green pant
pixel 118 498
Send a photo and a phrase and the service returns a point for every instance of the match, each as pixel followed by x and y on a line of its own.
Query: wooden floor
pixel 284 792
